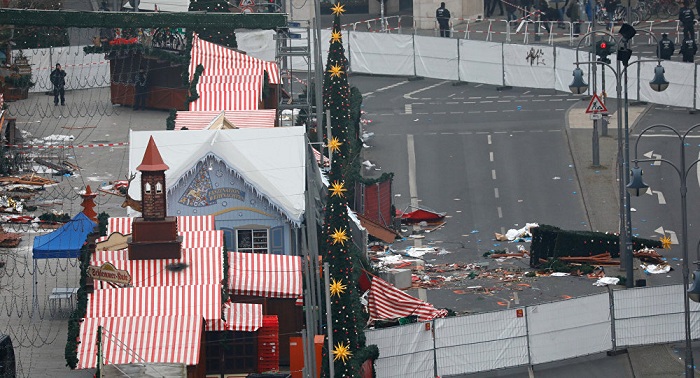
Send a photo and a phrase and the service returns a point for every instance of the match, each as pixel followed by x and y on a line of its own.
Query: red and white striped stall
pixel 204 266
pixel 246 317
pixel 139 339
pixel 184 223
pixel 231 80
pixel 265 275
pixel 261 118
pixel 388 302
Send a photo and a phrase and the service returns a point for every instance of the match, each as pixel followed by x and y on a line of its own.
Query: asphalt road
pixel 495 160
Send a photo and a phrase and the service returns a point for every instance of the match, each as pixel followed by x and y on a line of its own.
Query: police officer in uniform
pixel 666 48
pixel 443 18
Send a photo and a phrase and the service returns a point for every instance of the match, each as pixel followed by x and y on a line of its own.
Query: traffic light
pixel 603 49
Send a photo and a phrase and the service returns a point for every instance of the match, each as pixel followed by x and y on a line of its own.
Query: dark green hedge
pixel 551 242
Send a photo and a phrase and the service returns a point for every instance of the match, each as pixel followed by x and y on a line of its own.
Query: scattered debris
pixel 656 269
pixel 605 281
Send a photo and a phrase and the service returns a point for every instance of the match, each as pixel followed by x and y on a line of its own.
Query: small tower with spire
pixel 153 235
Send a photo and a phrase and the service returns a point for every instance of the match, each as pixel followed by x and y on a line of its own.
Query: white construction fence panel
pixel 529 66
pixel 567 329
pixel 436 57
pixel 83 71
pixel 418 365
pixel 565 60
pixel 382 54
pixel 481 62
pixel 404 351
pixel 481 342
pixel 680 91
pixel 652 315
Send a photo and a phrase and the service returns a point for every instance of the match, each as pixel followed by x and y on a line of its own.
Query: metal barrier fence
pixel 534 335
pixel 513 31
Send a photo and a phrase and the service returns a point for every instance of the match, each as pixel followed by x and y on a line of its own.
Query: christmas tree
pixel 224 36
pixel 349 351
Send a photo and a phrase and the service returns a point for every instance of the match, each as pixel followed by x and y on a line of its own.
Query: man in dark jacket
pixel 140 90
pixel 58 79
pixel 443 18
pixel 687 19
pixel 666 48
pixel 688 49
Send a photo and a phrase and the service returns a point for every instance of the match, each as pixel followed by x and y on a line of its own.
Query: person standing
pixel 610 7
pixel 687 19
pixel 688 48
pixel 544 14
pixel 666 48
pixel 574 13
pixel 493 7
pixel 140 90
pixel 58 79
pixel 443 19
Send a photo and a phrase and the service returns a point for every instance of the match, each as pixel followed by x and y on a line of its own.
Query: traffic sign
pixel 596 106
pixel 596 116
pixel 246 3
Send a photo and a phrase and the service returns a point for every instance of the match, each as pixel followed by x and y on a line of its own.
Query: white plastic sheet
pixel 436 57
pixel 257 43
pixel 418 365
pixel 566 329
pixel 402 340
pixel 680 90
pixel 83 71
pixel 481 62
pixel 529 66
pixel 382 54
pixel 564 67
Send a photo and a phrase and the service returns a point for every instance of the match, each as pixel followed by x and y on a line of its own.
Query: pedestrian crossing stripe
pixel 246 3
pixel 596 106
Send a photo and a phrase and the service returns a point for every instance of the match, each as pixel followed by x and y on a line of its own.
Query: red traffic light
pixel 603 45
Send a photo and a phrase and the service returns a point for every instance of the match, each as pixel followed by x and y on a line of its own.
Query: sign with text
pixel 109 273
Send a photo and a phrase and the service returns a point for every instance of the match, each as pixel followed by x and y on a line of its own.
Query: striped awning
pixel 142 339
pixel 388 302
pixel 184 223
pixel 245 317
pixel 231 80
pixel 196 300
pixel 265 275
pixel 240 118
pixel 204 266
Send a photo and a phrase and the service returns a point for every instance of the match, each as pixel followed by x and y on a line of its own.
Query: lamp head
pixel 694 288
pixel 659 83
pixel 627 31
pixel 578 85
pixel 636 185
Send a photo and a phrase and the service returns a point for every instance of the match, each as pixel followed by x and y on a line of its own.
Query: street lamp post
pixel 658 84
pixel 637 184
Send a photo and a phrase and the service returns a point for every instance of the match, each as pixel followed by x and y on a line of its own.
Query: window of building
pixel 231 352
pixel 147 188
pixel 255 240
pixel 159 188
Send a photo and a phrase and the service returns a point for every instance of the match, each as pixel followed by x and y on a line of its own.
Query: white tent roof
pixel 271 161
pixel 162 5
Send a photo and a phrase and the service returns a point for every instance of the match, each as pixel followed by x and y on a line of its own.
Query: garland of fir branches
pixel 76 317
pixel 170 121
pixel 192 89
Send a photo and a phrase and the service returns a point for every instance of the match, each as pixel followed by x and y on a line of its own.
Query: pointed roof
pixel 220 123
pixel 152 161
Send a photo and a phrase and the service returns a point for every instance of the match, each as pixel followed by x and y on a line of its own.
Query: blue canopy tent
pixel 63 243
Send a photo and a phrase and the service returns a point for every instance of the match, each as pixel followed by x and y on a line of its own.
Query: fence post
pixel 432 332
pixel 611 300
pixel 503 70
pixel 459 78
pixel 695 89
pixel 527 343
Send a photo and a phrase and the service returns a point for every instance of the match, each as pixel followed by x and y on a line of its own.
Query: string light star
pixel 334 144
pixel 338 9
pixel 666 242
pixel 337 189
pixel 337 287
pixel 342 352
pixel 339 236
pixel 336 36
pixel 336 71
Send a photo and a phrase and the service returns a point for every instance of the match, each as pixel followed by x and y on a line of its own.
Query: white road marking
pixel 652 155
pixel 408 109
pixel 385 88
pixel 412 187
pixel 488 139
pixel 408 95
pixel 662 199
pixel 495 192
pixel 500 212
pixel 491 156
pixel 493 174
pixel 485 102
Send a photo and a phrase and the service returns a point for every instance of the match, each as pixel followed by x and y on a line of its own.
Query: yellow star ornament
pixel 336 36
pixel 338 9
pixel 342 352
pixel 666 242
pixel 339 236
pixel 337 189
pixel 336 71
pixel 334 144
pixel 337 287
